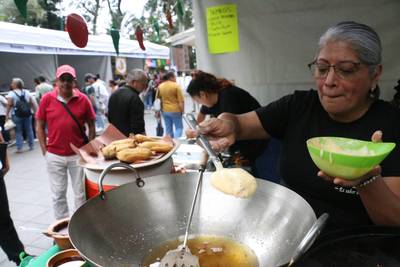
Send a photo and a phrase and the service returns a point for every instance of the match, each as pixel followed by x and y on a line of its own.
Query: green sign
pixel 222 29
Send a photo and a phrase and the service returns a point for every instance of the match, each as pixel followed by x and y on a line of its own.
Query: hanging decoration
pixel 139 37
pixel 115 38
pixel 169 19
pixel 156 28
pixel 180 10
pixel 77 30
pixel 21 5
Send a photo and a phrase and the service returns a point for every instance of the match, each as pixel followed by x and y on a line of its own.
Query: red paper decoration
pixel 77 30
pixel 139 37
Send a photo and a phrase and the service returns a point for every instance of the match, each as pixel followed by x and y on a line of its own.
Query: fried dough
pixel 157 146
pixel 123 141
pixel 109 152
pixel 131 155
pixel 140 138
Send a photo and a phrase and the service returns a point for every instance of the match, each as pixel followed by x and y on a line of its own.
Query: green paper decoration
pixel 157 29
pixel 180 9
pixel 21 5
pixel 115 39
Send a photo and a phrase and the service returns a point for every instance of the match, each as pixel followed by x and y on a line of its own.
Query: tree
pixel 116 13
pixel 51 18
pixel 155 17
pixel 89 10
pixel 92 9
pixel 10 13
pixel 40 13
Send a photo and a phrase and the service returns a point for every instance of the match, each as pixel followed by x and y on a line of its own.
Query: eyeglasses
pixel 144 82
pixel 344 69
pixel 68 78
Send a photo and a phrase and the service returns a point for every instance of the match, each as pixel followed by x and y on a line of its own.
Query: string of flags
pixel 78 31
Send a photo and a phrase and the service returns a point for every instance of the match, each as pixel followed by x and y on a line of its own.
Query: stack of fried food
pixel 135 148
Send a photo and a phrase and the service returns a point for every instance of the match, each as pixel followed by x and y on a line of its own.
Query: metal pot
pixel 120 229
pixel 367 246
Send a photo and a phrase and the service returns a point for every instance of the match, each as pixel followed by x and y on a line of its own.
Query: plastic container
pixel 39 261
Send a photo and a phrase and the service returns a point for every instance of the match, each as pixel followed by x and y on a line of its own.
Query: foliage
pixel 45 13
pixel 155 17
pixel 41 13
pixel 51 20
pixel 90 12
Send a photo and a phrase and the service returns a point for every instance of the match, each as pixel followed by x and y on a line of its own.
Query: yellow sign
pixel 222 29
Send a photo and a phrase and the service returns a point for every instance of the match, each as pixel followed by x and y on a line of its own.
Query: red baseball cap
pixel 65 69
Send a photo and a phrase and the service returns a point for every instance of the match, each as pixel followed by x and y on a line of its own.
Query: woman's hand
pixel 220 131
pixel 376 171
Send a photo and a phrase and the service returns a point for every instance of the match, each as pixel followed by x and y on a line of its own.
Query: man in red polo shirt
pixel 62 130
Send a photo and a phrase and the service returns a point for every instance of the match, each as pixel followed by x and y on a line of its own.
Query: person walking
pixel 64 112
pixel 3 111
pixel 9 240
pixel 148 95
pixel 41 88
pixel 21 103
pixel 101 99
pixel 125 108
pixel 172 104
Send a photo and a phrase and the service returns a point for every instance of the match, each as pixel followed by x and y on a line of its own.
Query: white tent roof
pixel 183 38
pixel 18 38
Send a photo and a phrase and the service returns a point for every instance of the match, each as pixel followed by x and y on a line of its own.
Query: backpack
pixel 22 108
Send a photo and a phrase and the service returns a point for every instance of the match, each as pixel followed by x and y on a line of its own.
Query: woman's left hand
pixel 350 183
pixel 376 137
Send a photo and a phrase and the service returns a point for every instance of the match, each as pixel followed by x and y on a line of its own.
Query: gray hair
pixel 362 38
pixel 135 75
pixel 18 82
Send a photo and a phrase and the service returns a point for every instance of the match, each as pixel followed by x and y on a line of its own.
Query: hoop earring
pixel 372 92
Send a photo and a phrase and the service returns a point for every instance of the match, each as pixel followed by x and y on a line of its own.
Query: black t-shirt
pixel 126 111
pixel 300 116
pixel 237 101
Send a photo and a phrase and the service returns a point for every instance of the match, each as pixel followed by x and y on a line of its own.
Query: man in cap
pixel 64 111
pixel 125 108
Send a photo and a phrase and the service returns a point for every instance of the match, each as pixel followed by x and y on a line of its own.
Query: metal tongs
pixel 192 122
pixel 182 257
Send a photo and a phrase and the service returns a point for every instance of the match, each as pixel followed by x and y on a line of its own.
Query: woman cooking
pixel 218 95
pixel 346 69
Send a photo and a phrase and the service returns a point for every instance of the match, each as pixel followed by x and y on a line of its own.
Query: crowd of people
pixel 346 68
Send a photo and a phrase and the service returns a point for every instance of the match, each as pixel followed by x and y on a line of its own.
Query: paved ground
pixel 29 195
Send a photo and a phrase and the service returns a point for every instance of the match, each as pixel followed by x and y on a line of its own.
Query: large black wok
pixel 131 220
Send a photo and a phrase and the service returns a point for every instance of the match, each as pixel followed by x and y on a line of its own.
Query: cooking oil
pixel 213 251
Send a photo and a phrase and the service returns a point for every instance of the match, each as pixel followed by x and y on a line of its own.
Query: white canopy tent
pixel 27 52
pixel 277 39
pixel 186 37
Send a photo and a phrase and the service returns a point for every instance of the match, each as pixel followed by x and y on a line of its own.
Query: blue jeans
pixel 100 120
pixel 23 125
pixel 170 119
pixel 148 100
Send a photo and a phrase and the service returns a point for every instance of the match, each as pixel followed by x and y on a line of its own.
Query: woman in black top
pixel 220 95
pixel 346 69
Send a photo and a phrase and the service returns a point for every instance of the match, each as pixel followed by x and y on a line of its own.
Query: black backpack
pixel 22 108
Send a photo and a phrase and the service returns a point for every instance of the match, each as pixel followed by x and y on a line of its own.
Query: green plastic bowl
pixel 347 158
